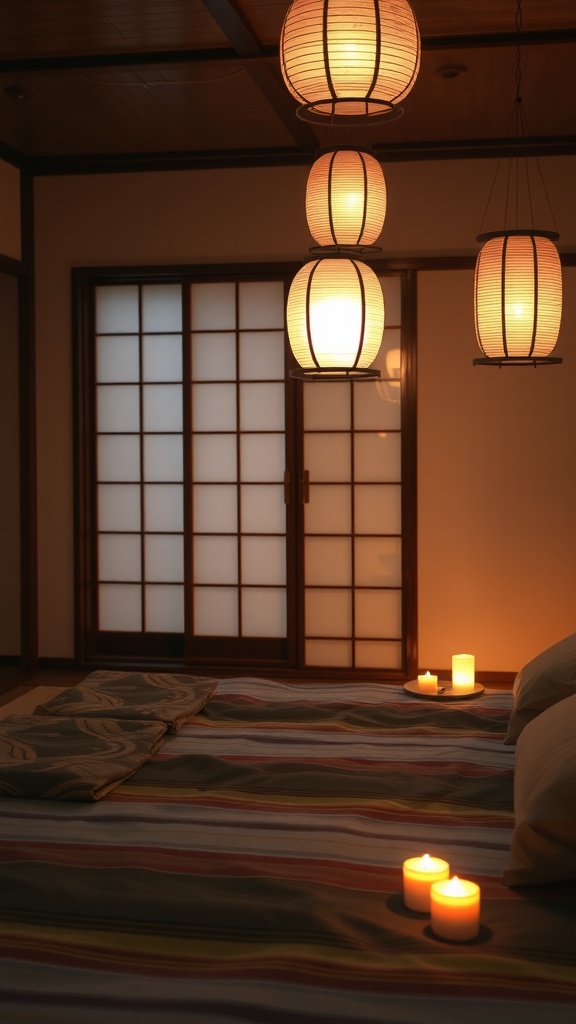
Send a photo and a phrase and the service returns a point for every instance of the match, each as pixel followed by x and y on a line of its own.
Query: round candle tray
pixel 444 692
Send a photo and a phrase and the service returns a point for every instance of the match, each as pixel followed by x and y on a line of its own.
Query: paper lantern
pixel 335 318
pixel 518 297
pixel 354 60
pixel 346 200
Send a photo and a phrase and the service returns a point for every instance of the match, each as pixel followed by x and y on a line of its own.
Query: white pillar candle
pixel 463 666
pixel 428 683
pixel 418 873
pixel 455 909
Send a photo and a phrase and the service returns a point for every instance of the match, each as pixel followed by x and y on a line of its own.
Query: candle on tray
pixel 428 683
pixel 418 874
pixel 463 666
pixel 455 909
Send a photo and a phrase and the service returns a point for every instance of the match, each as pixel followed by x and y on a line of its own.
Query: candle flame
pixel 454 887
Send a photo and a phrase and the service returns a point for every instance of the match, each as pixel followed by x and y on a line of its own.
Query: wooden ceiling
pixel 89 85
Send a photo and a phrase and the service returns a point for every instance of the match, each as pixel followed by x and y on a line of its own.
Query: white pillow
pixel 548 678
pixel 544 840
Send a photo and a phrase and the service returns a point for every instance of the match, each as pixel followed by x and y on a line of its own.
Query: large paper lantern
pixel 349 60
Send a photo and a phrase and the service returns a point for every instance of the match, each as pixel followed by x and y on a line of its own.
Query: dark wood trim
pixel 294 511
pixel 14 157
pixel 409 471
pixel 487 40
pixel 235 27
pixel 84 459
pixel 475 149
pixel 247 271
pixel 11 266
pixel 494 680
pixel 245 47
pixel 130 59
pixel 28 451
pixel 189 160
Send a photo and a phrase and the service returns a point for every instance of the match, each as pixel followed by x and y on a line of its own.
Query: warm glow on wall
pixel 346 199
pixel 335 317
pixel 350 59
pixel 518 295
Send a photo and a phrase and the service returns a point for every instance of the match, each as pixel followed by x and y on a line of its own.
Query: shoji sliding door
pixel 190 522
pixel 353 592
pixel 227 513
pixel 237 515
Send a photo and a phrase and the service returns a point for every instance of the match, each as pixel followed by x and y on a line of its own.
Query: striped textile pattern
pixel 251 873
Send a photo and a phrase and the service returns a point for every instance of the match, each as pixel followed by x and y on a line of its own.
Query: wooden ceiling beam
pixel 70 62
pixel 240 34
pixel 232 21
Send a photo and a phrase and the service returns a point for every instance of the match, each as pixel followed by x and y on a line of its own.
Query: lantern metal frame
pixel 389 112
pixel 335 373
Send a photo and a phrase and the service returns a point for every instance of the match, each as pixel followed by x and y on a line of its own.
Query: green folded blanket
pixel 72 758
pixel 146 696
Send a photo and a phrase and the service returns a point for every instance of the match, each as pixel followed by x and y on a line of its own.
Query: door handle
pixel 304 487
pixel 287 487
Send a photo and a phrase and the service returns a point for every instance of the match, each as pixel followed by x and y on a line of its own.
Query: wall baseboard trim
pixel 58 665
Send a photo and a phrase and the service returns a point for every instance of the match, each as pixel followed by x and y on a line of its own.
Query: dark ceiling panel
pixel 122 84
pixel 33 28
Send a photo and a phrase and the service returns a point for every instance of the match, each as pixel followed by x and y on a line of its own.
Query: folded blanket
pixel 71 758
pixel 146 696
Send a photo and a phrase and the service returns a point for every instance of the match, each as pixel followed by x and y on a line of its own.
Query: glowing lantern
pixel 349 59
pixel 335 317
pixel 518 297
pixel 346 199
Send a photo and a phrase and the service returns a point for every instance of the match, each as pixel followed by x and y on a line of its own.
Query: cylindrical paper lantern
pixel 346 199
pixel 518 295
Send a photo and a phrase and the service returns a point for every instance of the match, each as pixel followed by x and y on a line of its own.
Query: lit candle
pixel 463 672
pixel 418 874
pixel 428 683
pixel 455 909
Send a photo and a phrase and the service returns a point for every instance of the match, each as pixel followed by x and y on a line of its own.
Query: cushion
pixel 544 840
pixel 548 678
pixel 146 696
pixel 46 758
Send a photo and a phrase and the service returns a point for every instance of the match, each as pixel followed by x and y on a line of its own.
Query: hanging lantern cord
pixel 491 269
pixel 523 131
pixel 518 131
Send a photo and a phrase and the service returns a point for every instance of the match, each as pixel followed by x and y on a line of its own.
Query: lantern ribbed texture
pixel 518 295
pixel 346 198
pixel 335 314
pixel 349 57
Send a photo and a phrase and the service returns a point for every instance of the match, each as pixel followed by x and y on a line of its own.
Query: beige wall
pixel 496 488
pixel 258 215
